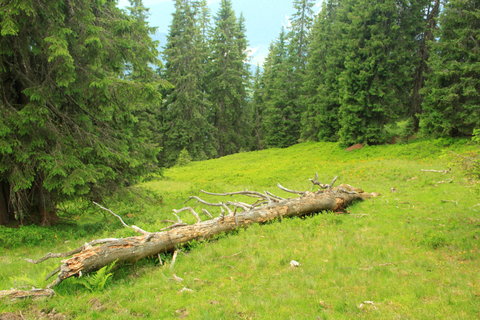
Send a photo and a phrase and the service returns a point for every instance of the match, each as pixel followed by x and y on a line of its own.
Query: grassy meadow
pixel 412 253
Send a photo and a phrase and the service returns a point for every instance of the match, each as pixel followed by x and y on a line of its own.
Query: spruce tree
pixel 228 78
pixel 375 85
pixel 298 41
pixel 321 86
pixel 257 107
pixel 280 115
pixel 452 95
pixel 429 11
pixel 185 122
pixel 76 81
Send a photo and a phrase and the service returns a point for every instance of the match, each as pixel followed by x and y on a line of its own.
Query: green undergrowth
pixel 412 253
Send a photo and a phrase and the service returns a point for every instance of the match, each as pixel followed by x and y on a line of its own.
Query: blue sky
pixel 264 19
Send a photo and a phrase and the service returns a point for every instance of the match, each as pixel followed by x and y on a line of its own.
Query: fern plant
pixel 97 281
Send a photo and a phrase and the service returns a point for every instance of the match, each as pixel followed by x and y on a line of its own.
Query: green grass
pixel 410 252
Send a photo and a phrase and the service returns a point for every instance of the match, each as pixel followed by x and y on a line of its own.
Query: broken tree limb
pixel 437 171
pixel 98 253
pixel 135 228
pixel 23 294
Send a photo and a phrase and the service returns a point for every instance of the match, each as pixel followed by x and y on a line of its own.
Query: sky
pixel 263 19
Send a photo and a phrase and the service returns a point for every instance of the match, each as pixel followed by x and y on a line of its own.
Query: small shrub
pixel 469 162
pixel 476 136
pixel 434 240
pixel 400 131
pixel 183 159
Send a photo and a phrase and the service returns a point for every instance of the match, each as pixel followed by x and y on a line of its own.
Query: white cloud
pixel 257 55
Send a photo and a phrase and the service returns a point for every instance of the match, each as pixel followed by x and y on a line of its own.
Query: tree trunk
pixel 99 253
pixel 5 213
pixel 46 209
pixel 422 68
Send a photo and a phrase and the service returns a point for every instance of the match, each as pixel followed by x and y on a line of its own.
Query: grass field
pixel 413 253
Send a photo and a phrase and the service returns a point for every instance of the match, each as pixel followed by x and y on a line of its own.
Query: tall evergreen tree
pixel 376 82
pixel 430 10
pixel 300 25
pixel 452 95
pixel 76 81
pixel 321 86
pixel 257 107
pixel 228 78
pixel 298 40
pixel 185 123
pixel 280 115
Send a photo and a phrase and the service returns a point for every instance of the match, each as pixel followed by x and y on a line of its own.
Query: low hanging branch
pixel 233 214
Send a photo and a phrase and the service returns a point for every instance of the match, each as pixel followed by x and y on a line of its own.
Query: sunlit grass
pixel 413 252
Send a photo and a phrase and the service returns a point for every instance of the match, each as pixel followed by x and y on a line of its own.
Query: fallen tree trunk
pixel 98 253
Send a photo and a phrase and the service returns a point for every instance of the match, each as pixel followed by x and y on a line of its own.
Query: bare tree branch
pixel 437 171
pixel 137 229
pixel 245 193
pixel 290 191
pixel 194 213
pixel 205 202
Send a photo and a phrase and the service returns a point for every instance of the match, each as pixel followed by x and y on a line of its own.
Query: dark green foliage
pixel 430 11
pixel 452 95
pixel 280 117
pixel 375 85
pixel 257 107
pixel 363 71
pixel 321 87
pixel 298 42
pixel 283 79
pixel 76 82
pixel 227 80
pixel 185 120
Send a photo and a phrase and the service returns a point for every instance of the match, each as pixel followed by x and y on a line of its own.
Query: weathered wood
pixel 23 294
pixel 96 254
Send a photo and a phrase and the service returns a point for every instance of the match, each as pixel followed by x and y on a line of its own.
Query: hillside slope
pixel 413 253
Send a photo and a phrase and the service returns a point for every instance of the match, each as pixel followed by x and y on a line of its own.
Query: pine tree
pixel 228 78
pixel 430 11
pixel 452 97
pixel 300 25
pixel 321 86
pixel 280 115
pixel 257 107
pixel 375 85
pixel 185 116
pixel 298 41
pixel 76 81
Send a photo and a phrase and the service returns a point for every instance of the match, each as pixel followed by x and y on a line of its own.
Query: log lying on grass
pixel 98 253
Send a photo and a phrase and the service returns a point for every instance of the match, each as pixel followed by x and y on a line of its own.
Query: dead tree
pixel 233 214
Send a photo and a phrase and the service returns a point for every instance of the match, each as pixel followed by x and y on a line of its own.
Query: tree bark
pixel 5 213
pixel 99 253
